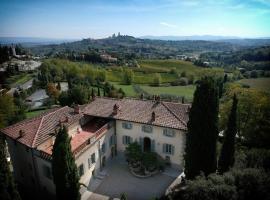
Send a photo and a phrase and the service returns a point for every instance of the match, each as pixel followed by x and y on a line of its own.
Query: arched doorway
pixel 146 144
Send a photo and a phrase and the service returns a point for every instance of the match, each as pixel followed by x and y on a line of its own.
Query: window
pixel 169 132
pixel 103 148
pixel 168 149
pixel 127 125
pixel 47 171
pixel 127 139
pixel 147 129
pixel 81 170
pixel 111 140
pixel 91 160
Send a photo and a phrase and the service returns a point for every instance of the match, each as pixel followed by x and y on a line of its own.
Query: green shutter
pixel 153 145
pixel 164 148
pixel 123 138
pixel 172 150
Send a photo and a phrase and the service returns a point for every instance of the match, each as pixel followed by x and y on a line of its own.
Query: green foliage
pixel 65 175
pixel 202 130
pixel 253 113
pixel 226 159
pixel 150 160
pixel 134 152
pixel 252 184
pixel 157 79
pixel 128 76
pixel 214 187
pixel 7 110
pixel 8 189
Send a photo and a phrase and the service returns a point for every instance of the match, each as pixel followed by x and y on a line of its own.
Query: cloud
pixel 168 25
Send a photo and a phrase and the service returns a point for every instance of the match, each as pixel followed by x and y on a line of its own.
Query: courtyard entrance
pixel 146 144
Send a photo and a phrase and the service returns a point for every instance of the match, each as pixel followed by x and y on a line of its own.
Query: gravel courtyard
pixel 120 180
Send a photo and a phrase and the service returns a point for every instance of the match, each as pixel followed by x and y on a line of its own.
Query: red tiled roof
pixel 38 129
pixel 167 114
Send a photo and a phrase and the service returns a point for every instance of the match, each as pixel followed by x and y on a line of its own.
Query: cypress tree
pixel 202 130
pixel 226 159
pixel 8 190
pixel 98 92
pixel 64 169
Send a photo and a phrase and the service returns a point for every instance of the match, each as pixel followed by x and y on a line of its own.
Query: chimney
pixel 21 134
pixel 188 109
pixel 153 118
pixel 158 98
pixel 77 109
pixel 115 109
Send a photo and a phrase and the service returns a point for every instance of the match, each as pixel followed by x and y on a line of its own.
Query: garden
pixel 143 164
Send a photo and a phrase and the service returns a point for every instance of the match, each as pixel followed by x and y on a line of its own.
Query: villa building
pixel 100 131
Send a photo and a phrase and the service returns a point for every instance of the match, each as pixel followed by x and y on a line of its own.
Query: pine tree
pixel 8 189
pixel 65 175
pixel 202 130
pixel 226 159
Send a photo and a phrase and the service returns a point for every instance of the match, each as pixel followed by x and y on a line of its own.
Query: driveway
pixel 119 180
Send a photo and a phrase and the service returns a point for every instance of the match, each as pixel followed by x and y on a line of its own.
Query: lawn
pixel 186 91
pixel 18 79
pixel 262 84
pixel 34 113
pixel 128 89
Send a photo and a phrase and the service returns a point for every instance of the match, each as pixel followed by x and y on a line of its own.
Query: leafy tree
pixel 226 159
pixel 52 91
pixel 214 187
pixel 79 94
pixel 128 76
pixel 8 190
pixel 202 130
pixel 252 184
pixel 123 196
pixel 64 99
pixel 65 175
pixel 134 152
pixel 253 112
pixel 7 110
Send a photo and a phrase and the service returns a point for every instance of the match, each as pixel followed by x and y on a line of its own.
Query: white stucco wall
pixel 23 164
pixel 178 141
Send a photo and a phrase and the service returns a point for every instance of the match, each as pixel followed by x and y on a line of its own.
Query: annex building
pixel 100 130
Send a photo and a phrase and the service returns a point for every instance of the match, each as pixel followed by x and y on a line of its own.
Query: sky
pixel 76 19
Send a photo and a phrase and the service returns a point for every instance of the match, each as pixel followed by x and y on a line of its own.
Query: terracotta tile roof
pixel 167 114
pixel 32 132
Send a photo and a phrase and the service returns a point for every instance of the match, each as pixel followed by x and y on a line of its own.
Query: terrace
pixel 85 136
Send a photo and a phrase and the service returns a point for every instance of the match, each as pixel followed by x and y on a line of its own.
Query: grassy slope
pixel 144 74
pixel 262 84
pixel 186 91
pixel 128 89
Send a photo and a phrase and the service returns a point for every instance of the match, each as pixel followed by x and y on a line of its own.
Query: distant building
pixel 108 58
pixel 99 130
